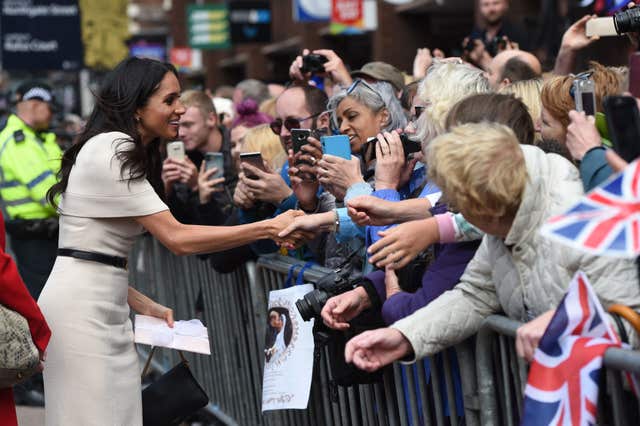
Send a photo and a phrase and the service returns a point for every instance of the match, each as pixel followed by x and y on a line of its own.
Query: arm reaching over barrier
pixel 374 349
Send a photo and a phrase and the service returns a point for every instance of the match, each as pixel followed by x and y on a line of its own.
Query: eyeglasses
pixel 289 123
pixel 365 84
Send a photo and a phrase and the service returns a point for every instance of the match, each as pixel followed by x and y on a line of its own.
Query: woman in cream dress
pixel 109 195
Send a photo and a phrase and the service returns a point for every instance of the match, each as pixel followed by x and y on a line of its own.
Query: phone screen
pixel 214 160
pixel 623 121
pixel 588 103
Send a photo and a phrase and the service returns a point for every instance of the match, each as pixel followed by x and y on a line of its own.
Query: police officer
pixel 29 161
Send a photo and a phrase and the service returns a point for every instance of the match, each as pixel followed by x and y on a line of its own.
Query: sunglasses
pixel 289 123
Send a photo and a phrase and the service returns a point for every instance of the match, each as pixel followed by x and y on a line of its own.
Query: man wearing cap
pixel 29 161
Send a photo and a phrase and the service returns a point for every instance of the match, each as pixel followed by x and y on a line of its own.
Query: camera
pixel 408 145
pixel 492 47
pixel 332 284
pixel 624 21
pixel 313 63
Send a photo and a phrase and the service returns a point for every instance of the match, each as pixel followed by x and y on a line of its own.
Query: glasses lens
pixel 291 123
pixel 276 126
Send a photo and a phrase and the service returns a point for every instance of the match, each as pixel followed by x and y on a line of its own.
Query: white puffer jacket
pixel 526 274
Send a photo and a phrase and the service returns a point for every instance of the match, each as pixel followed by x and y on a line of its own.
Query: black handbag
pixel 173 397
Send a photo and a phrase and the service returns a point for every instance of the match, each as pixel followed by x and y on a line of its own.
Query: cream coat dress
pixel 91 375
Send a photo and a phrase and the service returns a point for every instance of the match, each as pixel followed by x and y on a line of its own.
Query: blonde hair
pixel 262 139
pixel 446 84
pixel 528 91
pixel 268 107
pixel 480 169
pixel 199 100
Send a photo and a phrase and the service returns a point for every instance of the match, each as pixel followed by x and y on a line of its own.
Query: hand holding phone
pixel 299 138
pixel 214 160
pixel 254 159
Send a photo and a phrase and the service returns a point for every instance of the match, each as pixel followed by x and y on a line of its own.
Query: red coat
pixel 15 296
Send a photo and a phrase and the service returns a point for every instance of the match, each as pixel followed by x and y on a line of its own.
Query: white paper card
pixel 188 336
pixel 288 352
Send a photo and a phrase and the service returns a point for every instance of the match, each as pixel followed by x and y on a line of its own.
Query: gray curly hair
pixel 374 96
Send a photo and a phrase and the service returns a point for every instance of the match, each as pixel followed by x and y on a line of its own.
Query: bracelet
pixel 336 223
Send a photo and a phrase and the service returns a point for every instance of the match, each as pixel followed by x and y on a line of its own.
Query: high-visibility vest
pixel 29 162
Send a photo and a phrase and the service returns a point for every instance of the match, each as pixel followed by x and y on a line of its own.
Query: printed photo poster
pixel 288 352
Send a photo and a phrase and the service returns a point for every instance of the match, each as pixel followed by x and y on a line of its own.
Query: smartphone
pixel 255 159
pixel 336 145
pixel 214 159
pixel 634 74
pixel 584 95
pixel 299 138
pixel 175 150
pixel 623 122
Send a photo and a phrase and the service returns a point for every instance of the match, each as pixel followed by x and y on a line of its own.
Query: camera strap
pixel 300 277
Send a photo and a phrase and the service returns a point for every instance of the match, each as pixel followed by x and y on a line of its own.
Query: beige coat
pixel 526 274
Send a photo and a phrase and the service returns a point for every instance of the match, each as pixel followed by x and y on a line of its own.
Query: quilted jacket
pixel 525 274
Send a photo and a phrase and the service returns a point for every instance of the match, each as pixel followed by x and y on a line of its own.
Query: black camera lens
pixel 311 304
pixel 627 21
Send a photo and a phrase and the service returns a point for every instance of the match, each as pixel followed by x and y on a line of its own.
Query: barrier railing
pixel 502 375
pixel 234 308
pixel 478 382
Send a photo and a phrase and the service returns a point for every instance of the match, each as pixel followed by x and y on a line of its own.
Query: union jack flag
pixel 606 220
pixel 563 380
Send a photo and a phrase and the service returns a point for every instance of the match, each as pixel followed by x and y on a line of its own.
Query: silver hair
pixel 254 89
pixel 382 96
pixel 445 84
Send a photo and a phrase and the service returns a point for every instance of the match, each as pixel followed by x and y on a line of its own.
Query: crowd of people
pixel 452 171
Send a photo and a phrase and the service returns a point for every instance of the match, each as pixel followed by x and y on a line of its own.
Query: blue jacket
pixel 594 168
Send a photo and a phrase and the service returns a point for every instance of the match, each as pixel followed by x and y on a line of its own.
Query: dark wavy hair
pixel 124 90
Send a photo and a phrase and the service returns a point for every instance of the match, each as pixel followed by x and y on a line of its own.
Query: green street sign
pixel 208 26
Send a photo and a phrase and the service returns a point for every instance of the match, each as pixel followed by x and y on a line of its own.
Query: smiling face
pixel 275 321
pixel 359 122
pixel 160 117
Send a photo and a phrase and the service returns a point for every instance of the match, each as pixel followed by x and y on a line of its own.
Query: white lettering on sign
pixel 21 9
pixel 21 42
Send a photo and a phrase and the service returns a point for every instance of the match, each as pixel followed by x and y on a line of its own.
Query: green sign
pixel 208 26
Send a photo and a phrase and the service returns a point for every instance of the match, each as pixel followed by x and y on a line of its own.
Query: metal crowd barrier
pixel 234 306
pixel 480 381
pixel 502 376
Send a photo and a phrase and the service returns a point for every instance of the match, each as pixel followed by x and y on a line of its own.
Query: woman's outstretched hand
pixel 374 349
